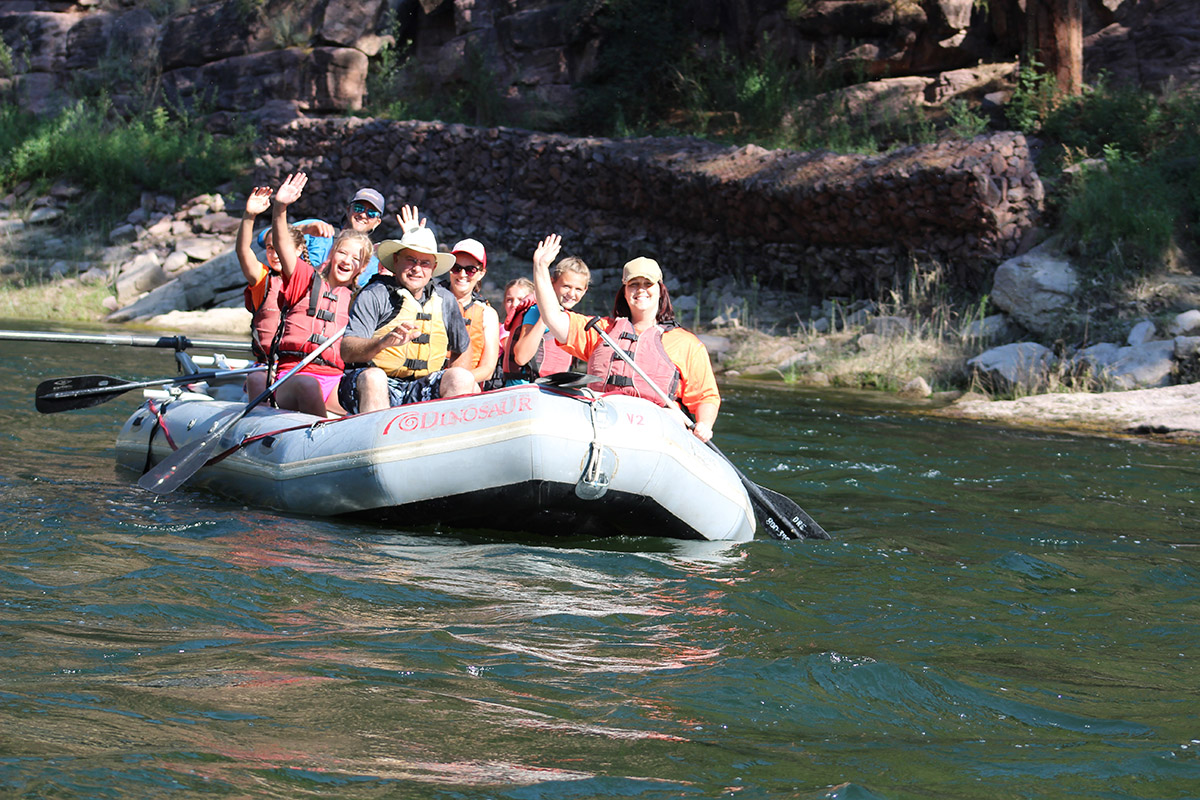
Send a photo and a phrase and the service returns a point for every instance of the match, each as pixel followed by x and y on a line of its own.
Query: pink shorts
pixel 329 384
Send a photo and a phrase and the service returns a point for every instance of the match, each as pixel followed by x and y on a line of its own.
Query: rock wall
pixel 313 55
pixel 823 223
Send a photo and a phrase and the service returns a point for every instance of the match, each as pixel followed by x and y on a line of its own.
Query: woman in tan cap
pixel 643 318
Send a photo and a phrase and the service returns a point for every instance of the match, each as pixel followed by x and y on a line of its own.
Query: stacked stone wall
pixel 826 223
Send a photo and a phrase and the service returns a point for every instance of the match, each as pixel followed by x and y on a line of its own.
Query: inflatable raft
pixel 537 459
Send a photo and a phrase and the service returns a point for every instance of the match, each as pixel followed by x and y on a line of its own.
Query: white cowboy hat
pixel 419 240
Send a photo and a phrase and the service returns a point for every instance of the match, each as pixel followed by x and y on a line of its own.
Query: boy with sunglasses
pixel 364 212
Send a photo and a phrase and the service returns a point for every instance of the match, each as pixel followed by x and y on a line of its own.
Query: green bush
pixel 160 150
pixel 1145 198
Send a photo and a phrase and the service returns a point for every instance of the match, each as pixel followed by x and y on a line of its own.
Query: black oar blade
pixel 82 391
pixel 567 380
pixel 784 509
pixel 174 470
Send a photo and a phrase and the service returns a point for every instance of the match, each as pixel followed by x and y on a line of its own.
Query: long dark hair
pixel 666 311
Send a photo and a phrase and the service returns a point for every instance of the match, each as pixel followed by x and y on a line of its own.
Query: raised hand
pixel 407 219
pixel 258 201
pixel 291 189
pixel 547 250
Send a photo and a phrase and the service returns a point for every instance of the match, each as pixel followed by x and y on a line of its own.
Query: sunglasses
pixel 469 270
pixel 363 208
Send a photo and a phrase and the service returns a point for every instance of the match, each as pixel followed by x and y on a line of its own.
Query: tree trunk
pixel 1054 36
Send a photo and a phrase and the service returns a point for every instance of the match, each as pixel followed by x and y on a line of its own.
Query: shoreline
pixel 1167 415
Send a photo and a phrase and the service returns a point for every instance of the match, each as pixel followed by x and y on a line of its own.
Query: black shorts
pixel 401 391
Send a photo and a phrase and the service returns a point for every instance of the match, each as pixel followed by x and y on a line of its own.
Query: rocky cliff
pixel 314 56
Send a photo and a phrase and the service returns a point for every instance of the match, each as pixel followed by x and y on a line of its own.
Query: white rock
pixel 44 214
pixel 1021 365
pixel 175 262
pixel 1143 366
pixel 917 387
pixel 1141 333
pixel 1035 288
pixel 989 328
pixel 1185 323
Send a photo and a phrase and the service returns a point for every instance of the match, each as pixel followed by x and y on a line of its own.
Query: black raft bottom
pixel 541 508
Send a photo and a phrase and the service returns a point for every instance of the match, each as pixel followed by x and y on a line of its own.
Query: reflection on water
pixel 1000 614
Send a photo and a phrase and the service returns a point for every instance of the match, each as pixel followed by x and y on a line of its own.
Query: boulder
pixel 1143 366
pixel 347 22
pixel 45 214
pixel 203 283
pixel 918 388
pixel 1098 357
pixel 889 327
pixel 1035 288
pixel 140 275
pixel 123 234
pixel 1140 333
pixel 1022 366
pixel 989 328
pixel 1185 323
pixel 165 298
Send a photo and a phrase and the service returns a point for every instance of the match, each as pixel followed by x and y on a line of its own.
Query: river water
pixel 1000 615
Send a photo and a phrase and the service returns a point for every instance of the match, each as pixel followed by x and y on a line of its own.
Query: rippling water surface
pixel 1000 615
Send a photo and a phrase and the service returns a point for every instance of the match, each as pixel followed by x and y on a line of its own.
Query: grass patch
pixel 37 299
pixel 1126 167
pixel 117 158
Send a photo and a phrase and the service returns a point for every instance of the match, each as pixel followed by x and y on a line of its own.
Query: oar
pixel 783 518
pixel 85 391
pixel 170 342
pixel 171 473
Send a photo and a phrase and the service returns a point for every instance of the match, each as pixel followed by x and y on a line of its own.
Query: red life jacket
pixel 648 353
pixel 307 326
pixel 268 317
pixel 549 358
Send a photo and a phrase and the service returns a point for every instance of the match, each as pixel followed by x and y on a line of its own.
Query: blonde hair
pixel 571 264
pixel 352 238
pixel 523 283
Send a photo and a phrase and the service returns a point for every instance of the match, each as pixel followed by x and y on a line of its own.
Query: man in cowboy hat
pixel 406 333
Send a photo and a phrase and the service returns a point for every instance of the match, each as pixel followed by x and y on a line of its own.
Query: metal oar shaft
pixel 179 342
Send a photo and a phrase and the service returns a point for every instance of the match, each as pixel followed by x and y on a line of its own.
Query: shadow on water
pixel 1000 614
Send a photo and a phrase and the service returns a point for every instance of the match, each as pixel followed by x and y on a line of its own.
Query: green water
pixel 1000 615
